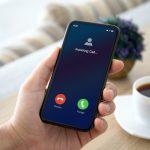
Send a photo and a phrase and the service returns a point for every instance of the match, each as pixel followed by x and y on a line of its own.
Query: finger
pixel 84 137
pixel 106 108
pixel 100 125
pixel 116 66
pixel 110 92
pixel 40 76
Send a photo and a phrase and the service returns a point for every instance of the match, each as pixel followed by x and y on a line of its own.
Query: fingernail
pixel 111 93
pixel 107 108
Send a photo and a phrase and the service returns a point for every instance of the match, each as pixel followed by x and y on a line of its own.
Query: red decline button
pixel 60 99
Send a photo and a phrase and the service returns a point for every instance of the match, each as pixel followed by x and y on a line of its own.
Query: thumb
pixel 39 78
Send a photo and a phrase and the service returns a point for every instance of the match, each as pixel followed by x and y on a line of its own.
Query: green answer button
pixel 83 104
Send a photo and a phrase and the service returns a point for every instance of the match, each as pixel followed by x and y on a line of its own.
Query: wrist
pixel 9 139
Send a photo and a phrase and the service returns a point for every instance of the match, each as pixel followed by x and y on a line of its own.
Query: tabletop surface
pixel 114 138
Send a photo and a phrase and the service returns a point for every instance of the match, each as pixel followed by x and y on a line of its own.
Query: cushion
pixel 87 11
pixel 45 34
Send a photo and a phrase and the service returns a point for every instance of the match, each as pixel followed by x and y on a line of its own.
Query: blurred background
pixel 31 29
pixel 20 16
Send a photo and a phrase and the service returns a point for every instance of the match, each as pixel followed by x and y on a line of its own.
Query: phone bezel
pixel 55 67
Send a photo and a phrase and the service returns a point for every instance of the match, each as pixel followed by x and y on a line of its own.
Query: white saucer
pixel 127 119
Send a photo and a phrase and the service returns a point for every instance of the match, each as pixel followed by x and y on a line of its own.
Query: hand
pixel 35 134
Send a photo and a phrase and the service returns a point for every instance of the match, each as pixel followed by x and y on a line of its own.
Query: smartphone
pixel 79 75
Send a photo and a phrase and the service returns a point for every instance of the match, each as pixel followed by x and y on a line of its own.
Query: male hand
pixel 33 133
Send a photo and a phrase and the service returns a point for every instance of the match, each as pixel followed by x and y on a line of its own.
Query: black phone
pixel 79 75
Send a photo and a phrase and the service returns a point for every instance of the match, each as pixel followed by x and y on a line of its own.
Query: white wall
pixel 19 16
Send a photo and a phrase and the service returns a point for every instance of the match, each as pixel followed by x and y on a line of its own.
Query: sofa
pixel 18 59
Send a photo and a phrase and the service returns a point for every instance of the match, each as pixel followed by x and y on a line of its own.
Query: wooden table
pixel 114 138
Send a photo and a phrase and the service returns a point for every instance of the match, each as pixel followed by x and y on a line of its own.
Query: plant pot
pixel 128 65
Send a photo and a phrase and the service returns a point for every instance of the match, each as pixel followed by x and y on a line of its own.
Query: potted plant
pixel 130 44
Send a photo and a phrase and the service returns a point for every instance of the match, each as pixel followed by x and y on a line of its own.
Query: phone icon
pixel 83 104
pixel 60 99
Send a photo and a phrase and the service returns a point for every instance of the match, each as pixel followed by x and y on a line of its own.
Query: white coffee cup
pixel 141 103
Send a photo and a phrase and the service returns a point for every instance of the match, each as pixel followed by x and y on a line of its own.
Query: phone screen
pixel 79 75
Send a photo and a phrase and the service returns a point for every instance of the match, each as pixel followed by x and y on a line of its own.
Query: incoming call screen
pixel 79 75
